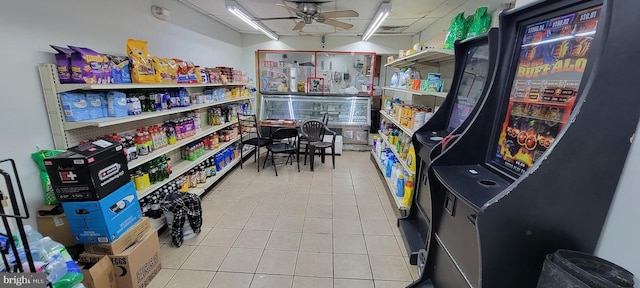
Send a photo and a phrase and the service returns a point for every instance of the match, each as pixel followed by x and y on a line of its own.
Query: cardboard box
pixel 135 233
pixel 136 266
pixel 89 171
pixel 54 225
pixel 103 221
pixel 99 275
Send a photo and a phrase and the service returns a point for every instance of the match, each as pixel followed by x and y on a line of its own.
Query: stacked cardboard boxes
pixel 92 182
pixel 135 256
pixel 102 210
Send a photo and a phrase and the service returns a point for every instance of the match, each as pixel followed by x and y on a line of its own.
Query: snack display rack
pixel 69 134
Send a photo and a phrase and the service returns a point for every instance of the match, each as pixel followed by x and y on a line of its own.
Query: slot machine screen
pixel 471 84
pixel 552 58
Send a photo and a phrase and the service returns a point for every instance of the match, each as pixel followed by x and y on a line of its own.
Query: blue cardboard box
pixel 103 221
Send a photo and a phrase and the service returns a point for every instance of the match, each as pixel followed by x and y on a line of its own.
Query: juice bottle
pixel 216 140
pixel 171 133
pixel 141 144
pixel 148 142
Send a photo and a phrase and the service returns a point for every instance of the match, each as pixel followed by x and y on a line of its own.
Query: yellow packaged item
pixel 198 74
pixel 141 66
pixel 161 68
pixel 172 69
pixel 411 159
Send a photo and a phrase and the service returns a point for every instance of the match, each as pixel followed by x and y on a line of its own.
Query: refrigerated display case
pixel 349 115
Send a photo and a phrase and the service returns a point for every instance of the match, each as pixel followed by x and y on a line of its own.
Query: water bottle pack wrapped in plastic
pixel 49 257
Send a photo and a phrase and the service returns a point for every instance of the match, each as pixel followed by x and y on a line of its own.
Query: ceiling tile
pixel 212 7
pixel 421 24
pixel 412 8
pixel 399 22
pixel 447 7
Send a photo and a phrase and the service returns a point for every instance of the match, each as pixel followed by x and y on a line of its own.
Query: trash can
pixel 566 268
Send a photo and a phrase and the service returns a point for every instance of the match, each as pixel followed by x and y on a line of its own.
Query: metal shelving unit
pixel 404 129
pixel 427 59
pixel 428 56
pixel 385 138
pixel 111 121
pixel 391 186
pixel 416 92
pixel 69 134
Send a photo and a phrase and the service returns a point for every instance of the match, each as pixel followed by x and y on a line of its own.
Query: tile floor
pixel 327 228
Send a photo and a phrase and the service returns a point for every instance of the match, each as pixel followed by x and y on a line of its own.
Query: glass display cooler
pixel 305 85
pixel 349 115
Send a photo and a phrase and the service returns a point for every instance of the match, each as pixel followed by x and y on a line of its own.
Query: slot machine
pixel 473 71
pixel 538 166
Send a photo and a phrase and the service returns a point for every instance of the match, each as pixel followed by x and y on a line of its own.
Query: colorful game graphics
pixel 550 67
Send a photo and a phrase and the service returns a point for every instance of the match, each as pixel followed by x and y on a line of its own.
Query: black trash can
pixel 564 269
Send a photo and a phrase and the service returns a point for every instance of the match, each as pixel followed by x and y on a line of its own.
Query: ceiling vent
pixel 391 29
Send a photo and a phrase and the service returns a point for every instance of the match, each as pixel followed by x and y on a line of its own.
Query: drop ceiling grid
pixel 417 15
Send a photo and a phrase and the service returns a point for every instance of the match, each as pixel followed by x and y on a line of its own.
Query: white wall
pixel 620 236
pixel 379 45
pixel 27 28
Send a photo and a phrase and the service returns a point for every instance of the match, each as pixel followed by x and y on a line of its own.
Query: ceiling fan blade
pixel 294 10
pixel 299 26
pixel 279 18
pixel 341 13
pixel 339 24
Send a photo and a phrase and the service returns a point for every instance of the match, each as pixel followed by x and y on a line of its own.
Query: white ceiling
pixel 416 15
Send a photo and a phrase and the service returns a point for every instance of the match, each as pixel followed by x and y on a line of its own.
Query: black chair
pixel 314 131
pixel 248 124
pixel 283 141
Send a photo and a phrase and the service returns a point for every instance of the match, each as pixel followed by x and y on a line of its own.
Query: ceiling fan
pixel 309 11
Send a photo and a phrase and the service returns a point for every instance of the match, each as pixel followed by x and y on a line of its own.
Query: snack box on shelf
pixel 104 221
pixel 89 171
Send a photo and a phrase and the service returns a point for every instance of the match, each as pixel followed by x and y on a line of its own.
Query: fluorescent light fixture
pixel 245 16
pixel 382 13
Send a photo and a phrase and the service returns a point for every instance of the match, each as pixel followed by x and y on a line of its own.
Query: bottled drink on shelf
pixel 156 211
pixel 141 144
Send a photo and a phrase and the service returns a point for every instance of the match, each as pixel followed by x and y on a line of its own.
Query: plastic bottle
pixel 408 192
pixel 141 144
pixel 61 270
pixel 394 172
pixel 400 185
pixel 389 167
pixel 148 141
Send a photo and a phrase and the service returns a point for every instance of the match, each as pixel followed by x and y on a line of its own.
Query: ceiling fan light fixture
pixel 382 14
pixel 245 16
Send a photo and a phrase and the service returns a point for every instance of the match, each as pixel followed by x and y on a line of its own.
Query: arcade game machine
pixel 538 166
pixel 474 69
